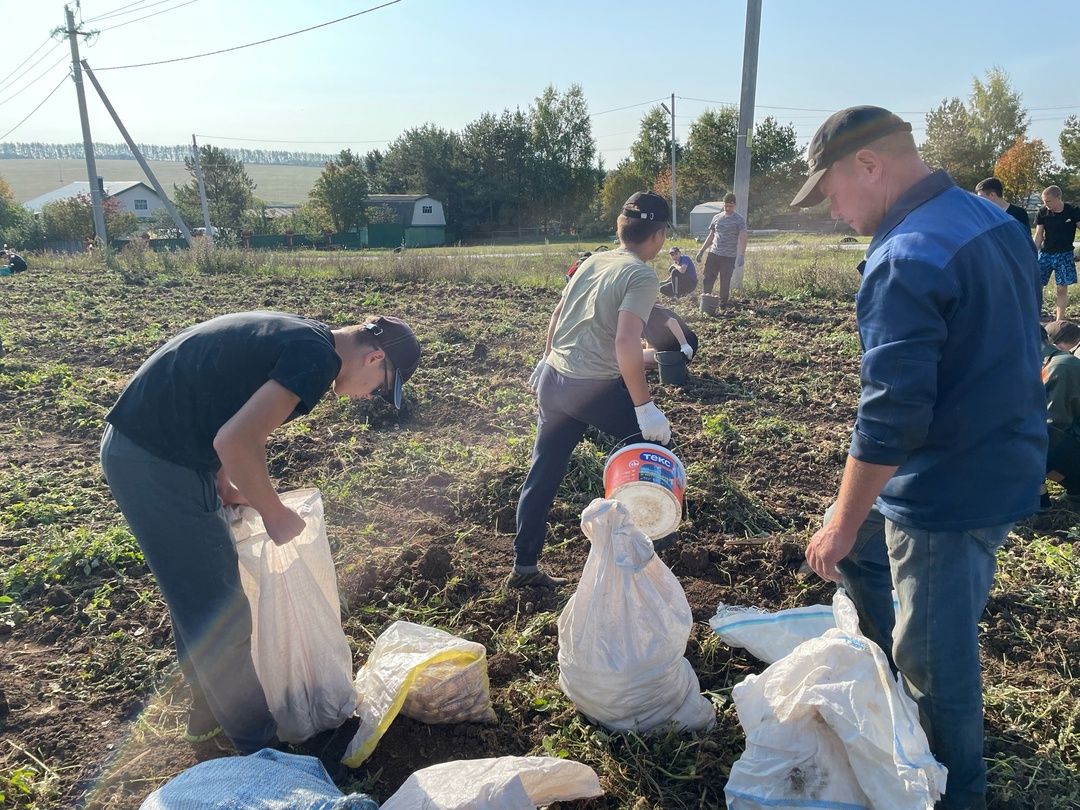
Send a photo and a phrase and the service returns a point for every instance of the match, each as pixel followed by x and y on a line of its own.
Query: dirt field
pixel 420 515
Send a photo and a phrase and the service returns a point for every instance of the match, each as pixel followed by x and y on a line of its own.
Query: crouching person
pixel 187 437
pixel 1061 379
pixel 592 372
pixel 665 331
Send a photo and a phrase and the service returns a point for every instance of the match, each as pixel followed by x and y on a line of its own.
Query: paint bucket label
pixel 650 481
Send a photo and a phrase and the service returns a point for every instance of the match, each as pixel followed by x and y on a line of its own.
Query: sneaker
pixel 535 579
pixel 201 725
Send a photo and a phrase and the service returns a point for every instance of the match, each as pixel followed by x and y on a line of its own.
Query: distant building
pixel 134 196
pixel 415 219
pixel 702 215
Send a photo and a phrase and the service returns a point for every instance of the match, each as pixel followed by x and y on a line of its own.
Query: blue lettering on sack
pixel 655 459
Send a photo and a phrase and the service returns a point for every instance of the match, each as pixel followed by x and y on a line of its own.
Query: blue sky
pixel 361 82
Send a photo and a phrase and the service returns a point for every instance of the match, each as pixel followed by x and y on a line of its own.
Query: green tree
pixel 341 191
pixel 564 175
pixel 650 153
pixel 229 189
pixel 776 168
pixel 707 170
pixel 498 157
pixel 1069 141
pixel 951 143
pixel 998 116
pixel 618 186
pixel 427 160
pixel 13 217
pixel 72 218
pixel 1023 168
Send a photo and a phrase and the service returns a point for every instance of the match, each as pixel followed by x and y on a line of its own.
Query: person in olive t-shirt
pixel 592 372
pixel 1055 230
pixel 188 437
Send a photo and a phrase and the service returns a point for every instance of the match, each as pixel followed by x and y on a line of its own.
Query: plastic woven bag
pixel 301 655
pixel 770 636
pixel 440 678
pixel 828 726
pixel 502 783
pixel 265 780
pixel 623 634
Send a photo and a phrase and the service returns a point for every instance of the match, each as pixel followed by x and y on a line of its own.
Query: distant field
pixel 29 178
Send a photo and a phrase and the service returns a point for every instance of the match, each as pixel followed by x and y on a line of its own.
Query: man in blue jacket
pixel 949 444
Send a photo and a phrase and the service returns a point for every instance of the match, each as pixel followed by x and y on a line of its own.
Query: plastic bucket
pixel 649 480
pixel 672 367
pixel 710 304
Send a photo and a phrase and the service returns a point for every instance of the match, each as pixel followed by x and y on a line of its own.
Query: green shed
pixel 415 219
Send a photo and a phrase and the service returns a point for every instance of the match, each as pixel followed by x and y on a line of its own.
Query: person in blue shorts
pixel 1055 230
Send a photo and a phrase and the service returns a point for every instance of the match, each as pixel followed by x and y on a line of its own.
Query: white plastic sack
pixel 265 780
pixel 301 655
pixel 770 636
pixel 502 783
pixel 623 634
pixel 829 726
pixel 440 677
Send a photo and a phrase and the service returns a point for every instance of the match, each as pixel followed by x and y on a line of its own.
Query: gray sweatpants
pixel 179 522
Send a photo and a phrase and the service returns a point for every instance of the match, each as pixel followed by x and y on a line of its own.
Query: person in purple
pixel 683 278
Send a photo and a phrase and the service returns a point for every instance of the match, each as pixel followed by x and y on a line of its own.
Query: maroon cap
pixel 397 339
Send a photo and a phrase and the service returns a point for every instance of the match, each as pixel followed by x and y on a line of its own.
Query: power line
pixel 44 56
pixel 629 106
pixel 252 44
pixel 40 76
pixel 27 59
pixel 38 107
pixel 118 12
pixel 147 17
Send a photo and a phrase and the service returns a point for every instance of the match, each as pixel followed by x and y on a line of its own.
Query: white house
pixel 702 215
pixel 133 195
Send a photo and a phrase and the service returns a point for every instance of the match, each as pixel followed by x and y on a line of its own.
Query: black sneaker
pixel 201 725
pixel 535 579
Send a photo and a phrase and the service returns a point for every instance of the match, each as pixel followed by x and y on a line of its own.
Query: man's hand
pixel 283 525
pixel 229 494
pixel 654 425
pixel 826 548
pixel 534 378
pixel 688 351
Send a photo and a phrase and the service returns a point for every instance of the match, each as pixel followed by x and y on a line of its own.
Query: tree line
pixel 120 151
pixel 539 169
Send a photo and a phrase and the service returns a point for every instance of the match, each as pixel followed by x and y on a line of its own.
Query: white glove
pixel 534 378
pixel 740 261
pixel 688 350
pixel 654 425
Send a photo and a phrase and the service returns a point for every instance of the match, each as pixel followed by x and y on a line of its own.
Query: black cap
pixel 398 340
pixel 1063 332
pixel 647 205
pixel 843 133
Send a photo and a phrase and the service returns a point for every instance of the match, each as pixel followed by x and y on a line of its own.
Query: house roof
pixel 708 207
pixel 395 198
pixel 112 188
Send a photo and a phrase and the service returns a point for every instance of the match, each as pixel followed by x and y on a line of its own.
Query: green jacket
pixel 1061 377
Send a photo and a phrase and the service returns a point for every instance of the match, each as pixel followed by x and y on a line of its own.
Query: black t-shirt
pixel 1020 215
pixel 1060 228
pixel 660 337
pixel 179 399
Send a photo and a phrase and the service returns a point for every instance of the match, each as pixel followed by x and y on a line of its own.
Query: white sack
pixel 439 677
pixel 829 726
pixel 501 783
pixel 623 634
pixel 301 655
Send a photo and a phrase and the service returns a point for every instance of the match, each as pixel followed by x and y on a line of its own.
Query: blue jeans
pixel 942 580
pixel 178 520
pixel 567 407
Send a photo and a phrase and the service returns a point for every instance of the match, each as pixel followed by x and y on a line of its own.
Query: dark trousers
pixel 721 267
pixel 567 407
pixel 678 284
pixel 178 520
pixel 1064 458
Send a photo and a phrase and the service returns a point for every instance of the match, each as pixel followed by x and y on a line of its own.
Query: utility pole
pixel 202 190
pixel 671 112
pixel 88 142
pixel 743 142
pixel 138 156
